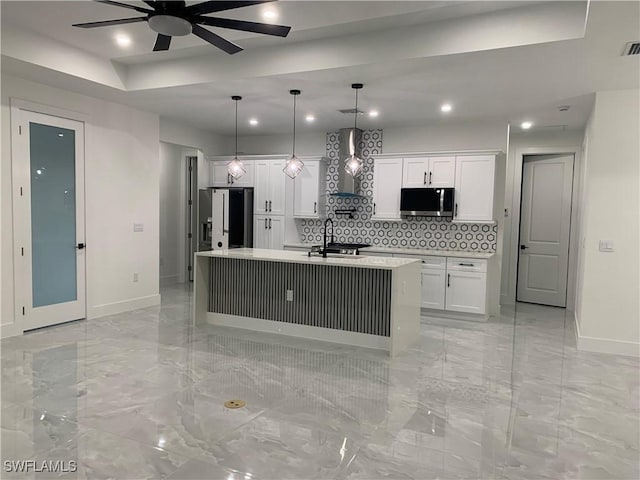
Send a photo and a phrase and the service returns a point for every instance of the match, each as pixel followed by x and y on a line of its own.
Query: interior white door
pixel 545 219
pixel 49 228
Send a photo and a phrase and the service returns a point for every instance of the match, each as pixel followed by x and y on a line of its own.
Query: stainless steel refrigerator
pixel 226 218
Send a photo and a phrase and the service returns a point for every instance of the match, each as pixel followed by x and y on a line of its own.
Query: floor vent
pixel 631 48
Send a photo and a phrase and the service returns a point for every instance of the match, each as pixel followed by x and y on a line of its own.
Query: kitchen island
pixel 357 300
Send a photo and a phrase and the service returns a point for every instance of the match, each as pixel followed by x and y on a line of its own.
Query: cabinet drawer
pixel 437 263
pixel 466 264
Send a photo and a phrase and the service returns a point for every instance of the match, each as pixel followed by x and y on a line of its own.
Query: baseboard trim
pixel 604 345
pixel 98 311
pixel 10 330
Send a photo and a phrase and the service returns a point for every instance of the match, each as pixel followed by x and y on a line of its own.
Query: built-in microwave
pixel 427 202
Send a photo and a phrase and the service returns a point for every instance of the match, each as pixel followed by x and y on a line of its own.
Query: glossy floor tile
pixel 140 395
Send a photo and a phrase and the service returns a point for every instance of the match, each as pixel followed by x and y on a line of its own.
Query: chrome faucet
pixel 324 243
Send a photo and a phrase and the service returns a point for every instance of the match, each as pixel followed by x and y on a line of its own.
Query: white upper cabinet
pixel 474 186
pixel 221 178
pixel 428 172
pixel 387 182
pixel 309 188
pixel 269 187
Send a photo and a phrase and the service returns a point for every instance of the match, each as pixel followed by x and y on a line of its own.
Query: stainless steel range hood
pixel 348 186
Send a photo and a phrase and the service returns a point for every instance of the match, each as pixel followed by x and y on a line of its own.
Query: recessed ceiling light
pixel 446 107
pixel 123 40
pixel 526 125
pixel 253 122
pixel 270 14
pixel 61 134
pixel 309 118
pixel 374 113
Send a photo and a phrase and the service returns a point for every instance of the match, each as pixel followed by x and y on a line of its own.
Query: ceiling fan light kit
pixel 175 19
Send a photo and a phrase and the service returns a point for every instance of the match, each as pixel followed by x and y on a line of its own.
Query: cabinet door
pixel 276 232
pixel 387 182
pixel 261 234
pixel 442 172
pixel 306 201
pixel 219 175
pixel 466 292
pixel 245 180
pixel 474 188
pixel 433 288
pixel 261 190
pixel 276 187
pixel 415 172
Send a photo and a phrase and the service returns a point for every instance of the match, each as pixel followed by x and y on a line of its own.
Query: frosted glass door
pixel 51 151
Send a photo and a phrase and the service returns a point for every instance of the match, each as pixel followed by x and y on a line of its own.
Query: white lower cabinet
pixel 466 285
pixel 268 232
pixel 433 288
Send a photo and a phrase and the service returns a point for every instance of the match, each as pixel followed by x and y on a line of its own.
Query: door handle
pixel 448 280
pixel 269 224
pixel 80 246
pixel 424 178
pixel 265 223
pixel 430 178
pixel 523 247
pixel 315 207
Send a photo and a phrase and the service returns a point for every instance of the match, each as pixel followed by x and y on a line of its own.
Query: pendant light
pixel 235 168
pixel 353 164
pixel 294 165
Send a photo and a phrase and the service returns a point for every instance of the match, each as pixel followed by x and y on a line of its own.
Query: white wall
pixel 122 188
pixel 307 143
pixel 534 140
pixel 608 310
pixel 171 207
pixel 178 133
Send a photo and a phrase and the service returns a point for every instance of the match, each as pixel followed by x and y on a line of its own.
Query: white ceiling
pixel 494 61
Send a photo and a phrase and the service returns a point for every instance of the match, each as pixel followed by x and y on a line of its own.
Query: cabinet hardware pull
pixel 269 205
pixel 466 264
pixel 448 279
pixel 265 223
pixel 315 207
pixel 266 205
pixel 424 179
pixel 430 178
pixel 456 212
pixel 374 208
pixel 223 209
pixel 269 224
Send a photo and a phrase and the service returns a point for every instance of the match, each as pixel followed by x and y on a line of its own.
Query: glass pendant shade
pixel 235 168
pixel 293 167
pixel 353 165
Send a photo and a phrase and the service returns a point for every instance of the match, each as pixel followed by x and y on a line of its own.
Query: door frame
pixel 19 176
pixel 512 251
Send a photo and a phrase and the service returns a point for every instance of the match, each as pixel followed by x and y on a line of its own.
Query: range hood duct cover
pixel 348 186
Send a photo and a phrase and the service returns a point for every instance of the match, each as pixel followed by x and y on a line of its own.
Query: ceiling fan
pixel 175 18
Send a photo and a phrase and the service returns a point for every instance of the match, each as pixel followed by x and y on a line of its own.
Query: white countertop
pixel 410 251
pixel 361 261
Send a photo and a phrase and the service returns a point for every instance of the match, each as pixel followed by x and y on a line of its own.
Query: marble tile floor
pixel 140 395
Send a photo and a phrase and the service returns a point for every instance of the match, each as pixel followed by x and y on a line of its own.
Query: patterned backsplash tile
pixel 415 232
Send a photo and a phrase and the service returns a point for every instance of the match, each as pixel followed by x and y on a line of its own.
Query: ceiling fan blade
pixel 162 43
pixel 220 6
pixel 264 28
pixel 125 5
pixel 106 23
pixel 216 40
pixel 151 3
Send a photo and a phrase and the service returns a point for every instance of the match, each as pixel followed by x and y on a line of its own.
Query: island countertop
pixel 358 261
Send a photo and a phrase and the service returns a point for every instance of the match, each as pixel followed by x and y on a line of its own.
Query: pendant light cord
pixel 355 117
pixel 236 128
pixel 294 125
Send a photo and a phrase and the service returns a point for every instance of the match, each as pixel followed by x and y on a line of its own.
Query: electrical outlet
pixel 138 227
pixel 606 246
pixel 135 277
pixel 289 295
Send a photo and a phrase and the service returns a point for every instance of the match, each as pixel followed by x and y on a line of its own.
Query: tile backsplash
pixel 415 232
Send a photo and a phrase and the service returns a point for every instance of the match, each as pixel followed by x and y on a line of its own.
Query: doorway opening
pixel 545 229
pixel 179 166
